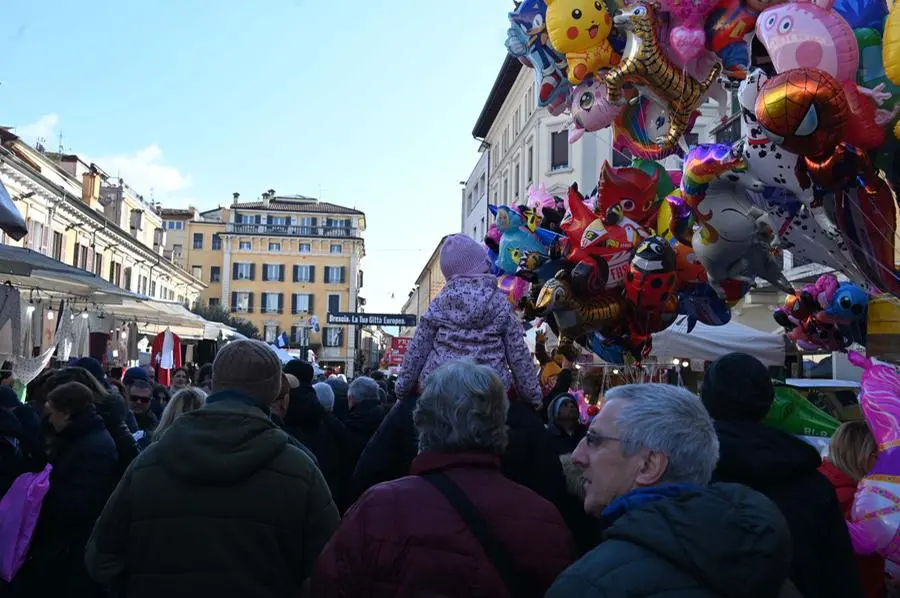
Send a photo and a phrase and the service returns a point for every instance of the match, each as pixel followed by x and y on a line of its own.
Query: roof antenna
pixel 61 152
pixel 320 191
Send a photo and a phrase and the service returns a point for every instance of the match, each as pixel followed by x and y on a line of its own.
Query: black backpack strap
pixel 474 520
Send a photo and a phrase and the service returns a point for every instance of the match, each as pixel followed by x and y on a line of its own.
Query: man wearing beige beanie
pixel 223 505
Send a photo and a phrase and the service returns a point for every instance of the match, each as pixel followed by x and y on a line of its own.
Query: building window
pixel 243 271
pixel 198 240
pixel 337 227
pixel 334 337
pixel 177 251
pixel 115 273
pixel 127 279
pixel 98 264
pixel 153 288
pixel 245 246
pixel 273 272
pixel 303 303
pixel 300 335
pixel 304 273
pixel 307 225
pixel 242 302
pixel 621 159
pixel 270 333
pixel 334 275
pixel 517 181
pixel 272 303
pixel 216 242
pixel 278 220
pixel 337 248
pixel 173 225
pixel 215 302
pixel 692 139
pixel 215 274
pixel 729 133
pixel 505 191
pixel 305 248
pixel 559 150
pixel 274 247
pixel 57 246
pixel 197 271
pixel 334 304
pixel 530 168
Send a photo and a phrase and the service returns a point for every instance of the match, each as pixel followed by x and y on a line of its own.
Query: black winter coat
pixel 322 434
pixel 221 505
pixel 785 469
pixel 12 456
pixel 726 540
pixel 361 424
pixel 84 463
pixel 114 412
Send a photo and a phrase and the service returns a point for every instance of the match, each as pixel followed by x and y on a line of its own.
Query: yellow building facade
pixel 282 263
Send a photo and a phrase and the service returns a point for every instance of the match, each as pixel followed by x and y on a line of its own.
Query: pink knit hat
pixel 461 256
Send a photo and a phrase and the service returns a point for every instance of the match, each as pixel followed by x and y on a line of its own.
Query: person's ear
pixel 653 468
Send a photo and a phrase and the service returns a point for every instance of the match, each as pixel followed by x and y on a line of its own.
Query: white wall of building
pixel 475 217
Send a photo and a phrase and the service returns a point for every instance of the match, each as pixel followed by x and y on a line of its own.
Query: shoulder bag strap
pixel 479 528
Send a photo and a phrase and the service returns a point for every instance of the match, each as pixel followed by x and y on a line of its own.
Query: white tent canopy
pixel 711 342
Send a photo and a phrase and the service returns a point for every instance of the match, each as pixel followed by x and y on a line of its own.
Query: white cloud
pixel 43 128
pixel 144 170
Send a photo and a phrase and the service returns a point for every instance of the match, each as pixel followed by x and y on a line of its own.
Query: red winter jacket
pixel 871 567
pixel 403 539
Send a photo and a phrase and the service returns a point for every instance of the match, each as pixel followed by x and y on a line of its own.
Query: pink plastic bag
pixel 19 511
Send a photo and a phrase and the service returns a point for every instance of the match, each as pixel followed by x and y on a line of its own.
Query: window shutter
pixel 311 308
pixel 264 303
pixel 343 274
pixel 312 274
pixel 281 273
pixel 269 220
pixel 314 222
pixel 265 273
pixel 327 274
pixel 234 271
pixel 250 303
pixel 281 303
pixel 296 273
pixel 259 219
pixel 252 271
pixel 293 338
pixel 293 304
pixel 340 342
pixel 234 302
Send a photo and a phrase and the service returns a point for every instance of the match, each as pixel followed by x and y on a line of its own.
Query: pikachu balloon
pixel 580 29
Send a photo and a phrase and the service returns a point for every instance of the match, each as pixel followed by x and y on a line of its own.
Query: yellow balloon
pixel 663 220
pixel 580 29
pixel 890 46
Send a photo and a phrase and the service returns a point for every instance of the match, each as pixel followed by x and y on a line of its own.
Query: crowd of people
pixel 472 476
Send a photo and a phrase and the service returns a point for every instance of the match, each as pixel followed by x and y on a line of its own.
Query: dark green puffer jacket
pixel 222 505
pixel 725 541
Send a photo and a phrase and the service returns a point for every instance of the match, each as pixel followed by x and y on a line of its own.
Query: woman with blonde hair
pixel 183 401
pixel 851 454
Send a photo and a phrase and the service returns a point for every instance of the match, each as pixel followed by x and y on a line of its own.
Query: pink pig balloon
pixel 875 523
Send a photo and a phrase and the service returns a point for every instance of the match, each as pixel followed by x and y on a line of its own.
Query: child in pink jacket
pixel 470 318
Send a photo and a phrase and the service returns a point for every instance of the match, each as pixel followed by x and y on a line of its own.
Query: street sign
pixel 362 319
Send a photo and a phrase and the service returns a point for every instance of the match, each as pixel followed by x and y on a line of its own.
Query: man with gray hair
pixel 646 463
pixel 366 414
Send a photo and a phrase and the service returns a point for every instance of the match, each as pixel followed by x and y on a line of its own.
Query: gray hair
pixel 183 401
pixel 669 420
pixel 325 395
pixel 462 408
pixel 364 389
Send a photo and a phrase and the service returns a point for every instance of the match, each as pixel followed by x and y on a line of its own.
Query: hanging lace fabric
pixel 10 322
pixel 26 369
pixel 65 335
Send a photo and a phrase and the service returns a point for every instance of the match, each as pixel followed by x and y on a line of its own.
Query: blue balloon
pixel 700 303
pixel 606 349
pixel 861 14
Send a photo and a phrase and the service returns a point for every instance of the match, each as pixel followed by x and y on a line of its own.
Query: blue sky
pixel 372 103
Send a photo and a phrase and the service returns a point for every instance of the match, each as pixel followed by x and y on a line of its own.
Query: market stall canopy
pixel 27 269
pixel 154 316
pixel 711 342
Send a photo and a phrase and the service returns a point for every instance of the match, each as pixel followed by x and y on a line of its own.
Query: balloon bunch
pixel 875 517
pixel 826 315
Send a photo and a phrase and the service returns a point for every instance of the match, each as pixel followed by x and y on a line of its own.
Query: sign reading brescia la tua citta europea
pixel 362 319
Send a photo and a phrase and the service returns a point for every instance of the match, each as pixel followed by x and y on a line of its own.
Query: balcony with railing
pixel 292 230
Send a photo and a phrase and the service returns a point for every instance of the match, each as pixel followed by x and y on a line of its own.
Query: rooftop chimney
pixel 90 188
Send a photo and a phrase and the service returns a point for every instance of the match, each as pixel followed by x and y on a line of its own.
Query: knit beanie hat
pixel 302 370
pixel 93 367
pixel 132 374
pixel 249 367
pixel 737 387
pixel 461 256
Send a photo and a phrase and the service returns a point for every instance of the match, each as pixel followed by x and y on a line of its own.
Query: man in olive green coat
pixel 223 504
